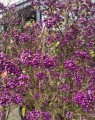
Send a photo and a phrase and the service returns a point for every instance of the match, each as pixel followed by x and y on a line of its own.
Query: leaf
pixel 57 43
pixel 23 111
pixel 4 74
pixel 35 7
pixel 54 45
pixel 92 53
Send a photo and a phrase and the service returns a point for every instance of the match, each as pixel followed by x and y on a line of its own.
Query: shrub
pixel 48 66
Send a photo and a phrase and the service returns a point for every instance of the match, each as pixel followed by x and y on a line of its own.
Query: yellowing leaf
pixel 89 13
pixel 4 74
pixel 92 53
pixel 48 73
pixel 23 111
pixel 35 7
pixel 57 43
